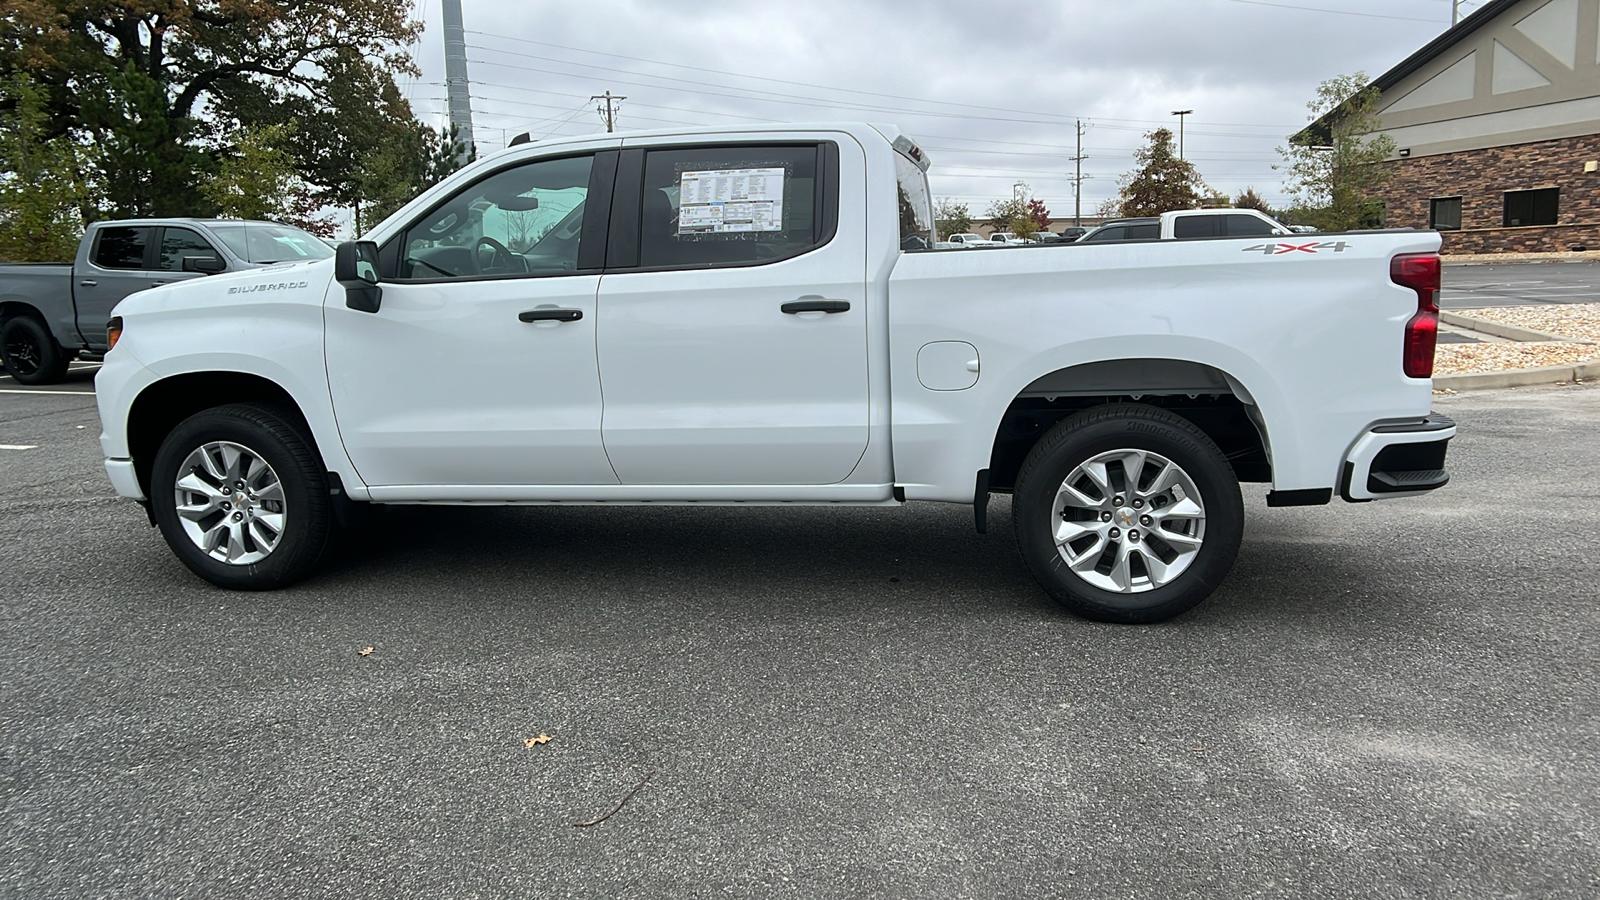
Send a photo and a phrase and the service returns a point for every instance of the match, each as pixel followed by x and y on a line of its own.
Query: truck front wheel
pixel 241 497
pixel 1127 513
pixel 30 353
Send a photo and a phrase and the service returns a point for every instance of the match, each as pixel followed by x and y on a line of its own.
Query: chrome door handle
pixel 88 282
pixel 157 283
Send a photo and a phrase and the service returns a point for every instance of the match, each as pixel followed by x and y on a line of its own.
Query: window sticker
pixel 730 201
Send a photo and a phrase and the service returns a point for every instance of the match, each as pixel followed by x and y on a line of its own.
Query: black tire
pixel 305 508
pixel 30 352
pixel 1172 441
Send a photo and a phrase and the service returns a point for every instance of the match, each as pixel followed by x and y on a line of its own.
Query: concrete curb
pixel 1498 329
pixel 1484 381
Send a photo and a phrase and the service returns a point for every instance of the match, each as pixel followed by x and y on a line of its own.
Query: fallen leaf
pixel 530 743
pixel 365 651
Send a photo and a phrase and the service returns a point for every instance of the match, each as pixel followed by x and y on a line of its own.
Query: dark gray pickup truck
pixel 51 313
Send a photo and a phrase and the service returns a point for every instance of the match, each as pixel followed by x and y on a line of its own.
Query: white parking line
pixel 19 446
pixel 65 393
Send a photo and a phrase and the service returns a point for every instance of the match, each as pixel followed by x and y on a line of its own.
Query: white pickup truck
pixel 746 316
pixel 968 241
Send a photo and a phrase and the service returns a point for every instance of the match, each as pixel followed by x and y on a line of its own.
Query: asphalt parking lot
pixel 1390 700
pixel 1475 286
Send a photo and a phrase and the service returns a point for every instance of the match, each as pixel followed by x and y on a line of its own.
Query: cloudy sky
pixel 991 88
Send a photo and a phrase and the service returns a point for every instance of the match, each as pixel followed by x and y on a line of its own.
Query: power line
pixel 1337 12
pixel 1064 117
pixel 902 112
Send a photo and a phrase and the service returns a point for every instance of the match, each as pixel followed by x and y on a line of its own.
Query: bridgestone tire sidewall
pixel 1127 426
pixel 52 359
pixel 266 432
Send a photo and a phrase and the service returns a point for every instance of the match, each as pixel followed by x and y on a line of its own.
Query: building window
pixel 1531 207
pixel 1446 214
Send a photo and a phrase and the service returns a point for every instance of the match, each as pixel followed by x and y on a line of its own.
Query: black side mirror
pixel 355 266
pixel 210 265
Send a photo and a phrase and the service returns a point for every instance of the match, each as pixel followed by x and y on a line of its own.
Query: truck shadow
pixel 919 554
pixel 927 552
pixel 76 377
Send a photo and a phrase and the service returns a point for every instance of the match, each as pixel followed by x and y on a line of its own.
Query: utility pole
pixel 1077 181
pixel 1182 115
pixel 456 88
pixel 607 114
pixel 1455 12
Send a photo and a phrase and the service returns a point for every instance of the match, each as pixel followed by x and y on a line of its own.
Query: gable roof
pixel 1319 131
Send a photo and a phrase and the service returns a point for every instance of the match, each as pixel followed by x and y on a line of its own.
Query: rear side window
pixel 180 243
pixel 1116 233
pixel 1143 232
pixel 121 247
pixel 1247 226
pixel 916 205
pixel 1194 226
pixel 708 206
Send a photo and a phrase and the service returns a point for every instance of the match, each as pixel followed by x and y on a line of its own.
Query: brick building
pixel 1496 125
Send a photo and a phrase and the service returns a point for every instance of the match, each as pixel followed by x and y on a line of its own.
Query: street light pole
pixel 1182 115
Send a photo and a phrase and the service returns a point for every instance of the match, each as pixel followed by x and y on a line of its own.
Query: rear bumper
pixel 1398 460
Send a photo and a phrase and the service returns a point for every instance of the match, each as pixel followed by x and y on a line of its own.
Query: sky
pixel 991 89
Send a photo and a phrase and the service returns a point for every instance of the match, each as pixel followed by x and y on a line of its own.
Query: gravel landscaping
pixel 1576 322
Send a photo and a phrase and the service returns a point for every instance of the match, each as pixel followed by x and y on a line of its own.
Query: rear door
pixel 119 264
pixel 732 319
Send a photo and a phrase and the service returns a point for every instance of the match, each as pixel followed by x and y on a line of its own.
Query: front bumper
pixel 1398 460
pixel 124 478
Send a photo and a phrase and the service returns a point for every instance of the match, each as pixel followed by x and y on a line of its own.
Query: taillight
pixel 113 332
pixel 1421 273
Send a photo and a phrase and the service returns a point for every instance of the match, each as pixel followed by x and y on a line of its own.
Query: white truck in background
pixel 968 241
pixel 1189 224
pixel 749 316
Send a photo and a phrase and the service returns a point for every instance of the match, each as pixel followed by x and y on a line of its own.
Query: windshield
pixel 263 243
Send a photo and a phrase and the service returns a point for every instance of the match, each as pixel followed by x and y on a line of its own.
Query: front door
pixel 479 368
pixel 735 351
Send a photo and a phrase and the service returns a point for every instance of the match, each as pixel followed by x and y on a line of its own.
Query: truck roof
pixel 188 220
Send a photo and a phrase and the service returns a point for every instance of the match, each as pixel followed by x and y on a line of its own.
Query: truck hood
pixel 297 282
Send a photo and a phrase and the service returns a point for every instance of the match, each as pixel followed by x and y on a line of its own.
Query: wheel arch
pixel 163 404
pixel 11 309
pixel 1212 399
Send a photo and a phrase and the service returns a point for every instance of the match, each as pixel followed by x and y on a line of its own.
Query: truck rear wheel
pixel 241 497
pixel 1127 513
pixel 30 352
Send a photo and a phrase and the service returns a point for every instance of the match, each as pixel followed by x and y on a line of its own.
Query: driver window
pixel 525 220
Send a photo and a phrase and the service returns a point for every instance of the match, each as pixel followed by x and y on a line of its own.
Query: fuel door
pixel 947 365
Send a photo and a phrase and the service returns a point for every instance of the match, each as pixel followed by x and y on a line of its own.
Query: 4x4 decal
pixel 1281 249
